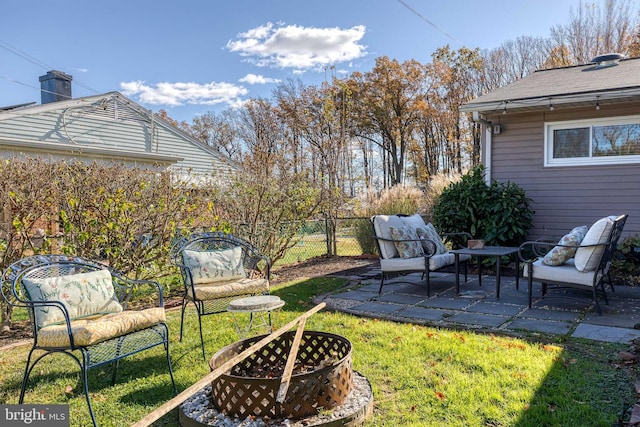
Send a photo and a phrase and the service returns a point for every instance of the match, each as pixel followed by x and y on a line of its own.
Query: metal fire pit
pixel 325 385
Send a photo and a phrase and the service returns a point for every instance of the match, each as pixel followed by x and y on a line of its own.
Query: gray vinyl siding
pixel 568 196
pixel 128 134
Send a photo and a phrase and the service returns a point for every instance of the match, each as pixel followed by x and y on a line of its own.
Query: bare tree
pixel 593 30
pixel 455 75
pixel 390 98
pixel 290 112
pixel 218 131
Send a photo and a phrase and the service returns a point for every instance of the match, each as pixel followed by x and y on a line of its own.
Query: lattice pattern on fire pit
pixel 322 379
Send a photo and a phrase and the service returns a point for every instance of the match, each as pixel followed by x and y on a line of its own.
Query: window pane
pixel 568 143
pixel 616 140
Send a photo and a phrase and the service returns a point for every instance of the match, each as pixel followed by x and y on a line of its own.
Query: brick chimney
pixel 55 86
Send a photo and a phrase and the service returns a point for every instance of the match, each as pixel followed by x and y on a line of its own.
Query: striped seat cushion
pixel 89 331
pixel 215 290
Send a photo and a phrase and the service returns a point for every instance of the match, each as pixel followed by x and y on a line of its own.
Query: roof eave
pixel 543 102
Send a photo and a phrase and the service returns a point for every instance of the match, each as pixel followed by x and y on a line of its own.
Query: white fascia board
pixel 543 101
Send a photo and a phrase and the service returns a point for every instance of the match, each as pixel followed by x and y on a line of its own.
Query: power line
pixel 428 22
pixel 6 46
pixel 28 85
pixel 12 49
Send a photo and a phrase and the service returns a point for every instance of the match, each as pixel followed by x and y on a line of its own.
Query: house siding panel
pixel 564 197
pixel 128 133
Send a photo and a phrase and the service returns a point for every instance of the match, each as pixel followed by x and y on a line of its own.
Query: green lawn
pixel 314 245
pixel 421 376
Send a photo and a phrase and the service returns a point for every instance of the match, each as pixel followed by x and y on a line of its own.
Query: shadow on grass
pixel 567 396
pixel 56 367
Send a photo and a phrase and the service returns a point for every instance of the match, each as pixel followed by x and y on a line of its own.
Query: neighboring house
pixel 103 128
pixel 570 137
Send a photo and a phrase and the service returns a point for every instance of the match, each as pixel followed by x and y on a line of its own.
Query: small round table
pixel 259 308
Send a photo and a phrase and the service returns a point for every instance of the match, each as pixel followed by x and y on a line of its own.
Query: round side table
pixel 259 308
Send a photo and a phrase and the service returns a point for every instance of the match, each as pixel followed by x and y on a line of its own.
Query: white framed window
pixel 611 140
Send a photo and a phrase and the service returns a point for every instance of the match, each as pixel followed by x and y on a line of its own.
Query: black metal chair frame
pixel 530 251
pixel 95 355
pixel 426 270
pixel 254 262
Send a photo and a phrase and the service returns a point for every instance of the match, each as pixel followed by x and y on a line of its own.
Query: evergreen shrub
pixel 498 213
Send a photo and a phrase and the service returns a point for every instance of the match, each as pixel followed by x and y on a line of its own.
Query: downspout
pixel 487 153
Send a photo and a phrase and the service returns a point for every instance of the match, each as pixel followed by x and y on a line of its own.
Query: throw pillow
pixel 83 294
pixel 441 246
pixel 429 232
pixel 568 245
pixel 407 244
pixel 588 257
pixel 381 227
pixel 214 266
pixel 414 221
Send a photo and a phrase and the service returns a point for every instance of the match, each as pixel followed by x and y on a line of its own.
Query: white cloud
pixel 175 94
pixel 299 47
pixel 254 79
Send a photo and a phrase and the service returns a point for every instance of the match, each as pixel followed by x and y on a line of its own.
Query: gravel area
pixel 199 409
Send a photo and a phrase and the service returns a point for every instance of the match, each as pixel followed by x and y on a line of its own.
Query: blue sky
pixel 189 57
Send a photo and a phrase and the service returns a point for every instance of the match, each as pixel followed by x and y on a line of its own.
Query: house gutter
pixel 495 106
pixel 39 147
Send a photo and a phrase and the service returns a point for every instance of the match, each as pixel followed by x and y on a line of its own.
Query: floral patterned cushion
pixel 429 232
pixel 409 249
pixel 83 294
pixel 214 266
pixel 561 254
pixel 92 331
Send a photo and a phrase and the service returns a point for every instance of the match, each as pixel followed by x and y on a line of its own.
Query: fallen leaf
pixel 440 395
pixel 627 356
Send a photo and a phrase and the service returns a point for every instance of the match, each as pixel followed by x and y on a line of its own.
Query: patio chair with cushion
pixel 580 259
pixel 407 244
pixel 78 305
pixel 217 268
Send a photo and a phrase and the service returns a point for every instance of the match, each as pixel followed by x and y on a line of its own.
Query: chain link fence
pixel 353 237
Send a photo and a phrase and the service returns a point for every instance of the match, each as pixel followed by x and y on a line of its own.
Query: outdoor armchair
pixel 407 244
pixel 217 268
pixel 581 259
pixel 80 308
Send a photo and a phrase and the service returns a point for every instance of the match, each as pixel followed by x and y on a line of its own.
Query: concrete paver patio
pixel 568 312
